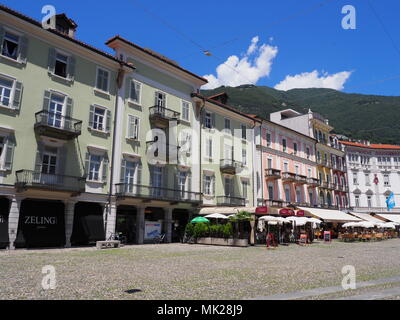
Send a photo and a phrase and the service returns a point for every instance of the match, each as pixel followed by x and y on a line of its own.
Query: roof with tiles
pixel 372 145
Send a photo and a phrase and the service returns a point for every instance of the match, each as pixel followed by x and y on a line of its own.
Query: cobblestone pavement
pixel 178 271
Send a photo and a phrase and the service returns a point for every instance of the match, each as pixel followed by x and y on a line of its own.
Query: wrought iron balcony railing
pixel 272 174
pixel 301 179
pixel 230 166
pixel 57 126
pixel 163 114
pixel 26 179
pixel 229 201
pixel 156 193
pixel 287 176
pixel 313 181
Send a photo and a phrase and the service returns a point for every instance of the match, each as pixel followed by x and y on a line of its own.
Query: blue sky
pixel 295 38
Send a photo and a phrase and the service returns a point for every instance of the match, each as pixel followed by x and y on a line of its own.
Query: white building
pixel 373 173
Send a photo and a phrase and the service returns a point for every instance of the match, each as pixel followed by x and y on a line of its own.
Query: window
pixel 6 87
pixel 135 92
pixel 270 192
pixel 295 148
pixel 10 45
pixel 244 157
pixel 268 138
pixel 94 167
pixel 102 82
pixel 367 180
pixel 286 167
pixel 208 120
pixel 269 163
pixel 287 194
pixel 98 123
pixel 298 195
pixel 296 169
pixel 160 99
pixel 208 181
pixel 244 189
pixel 182 177
pixel 61 65
pixel 228 187
pixel 357 198
pixel 185 111
pixel 49 162
pixel 99 118
pixel 56 110
pixel 369 201
pixel 227 124
pixel 309 172
pixel 386 180
pixel 129 174
pixel 308 153
pixel 133 127
pixel 284 145
pixel 244 132
pixel 209 149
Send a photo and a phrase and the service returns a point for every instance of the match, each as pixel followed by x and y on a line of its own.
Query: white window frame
pixel 12 93
pixel 132 85
pixel 208 184
pixel 208 118
pixel 268 141
pixel 136 125
pixel 227 121
pixel 96 106
pixel 16 33
pixel 209 148
pixel 100 170
pixel 188 104
pixel 97 77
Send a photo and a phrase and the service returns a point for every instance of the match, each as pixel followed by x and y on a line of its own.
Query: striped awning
pixel 390 217
pixel 366 217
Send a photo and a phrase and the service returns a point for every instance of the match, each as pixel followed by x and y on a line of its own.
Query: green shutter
pixel 23 49
pixel 108 121
pixel 105 169
pixel 38 159
pixel 123 169
pixel 87 164
pixel 128 82
pixel 9 153
pixel 17 95
pixel 46 100
pixel 130 127
pixel 71 67
pixel 139 174
pixel 91 116
pixel 1 38
pixel 68 113
pixel 51 64
pixel 62 160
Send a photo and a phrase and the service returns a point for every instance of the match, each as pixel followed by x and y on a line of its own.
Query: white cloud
pixel 315 79
pixel 255 64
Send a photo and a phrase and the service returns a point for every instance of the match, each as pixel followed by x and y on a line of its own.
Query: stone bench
pixel 108 244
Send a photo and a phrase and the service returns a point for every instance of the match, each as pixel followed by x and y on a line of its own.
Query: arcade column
pixel 69 221
pixel 140 225
pixel 111 214
pixel 168 224
pixel 13 220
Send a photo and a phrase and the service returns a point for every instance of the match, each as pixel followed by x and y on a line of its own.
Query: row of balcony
pixel 274 174
pixel 286 204
pixel 56 125
pixel 332 165
pixel 28 179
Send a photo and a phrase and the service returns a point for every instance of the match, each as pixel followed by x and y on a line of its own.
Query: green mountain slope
pixel 371 117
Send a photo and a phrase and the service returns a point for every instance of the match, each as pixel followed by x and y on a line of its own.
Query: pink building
pixel 288 167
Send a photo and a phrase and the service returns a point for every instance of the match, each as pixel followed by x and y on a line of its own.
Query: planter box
pixel 223 242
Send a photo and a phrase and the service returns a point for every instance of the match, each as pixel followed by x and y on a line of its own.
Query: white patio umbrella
pixel 349 225
pixel 270 218
pixel 389 225
pixel 314 220
pixel 366 225
pixel 299 221
pixel 216 216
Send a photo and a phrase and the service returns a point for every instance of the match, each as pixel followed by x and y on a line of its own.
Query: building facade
pixel 58 98
pixel 374 174
pixel 226 154
pixel 331 173
pixel 288 168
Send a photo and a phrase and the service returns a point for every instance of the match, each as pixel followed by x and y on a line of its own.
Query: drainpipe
pixel 119 82
pixel 200 145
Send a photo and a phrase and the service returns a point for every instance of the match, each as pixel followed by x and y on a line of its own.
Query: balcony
pixel 301 179
pixel 230 166
pixel 26 179
pixel 328 185
pixel 276 203
pixel 313 182
pixel 288 177
pixel 124 190
pixel 228 201
pixel 324 163
pixel 272 174
pixel 339 167
pixel 57 126
pixel 160 116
